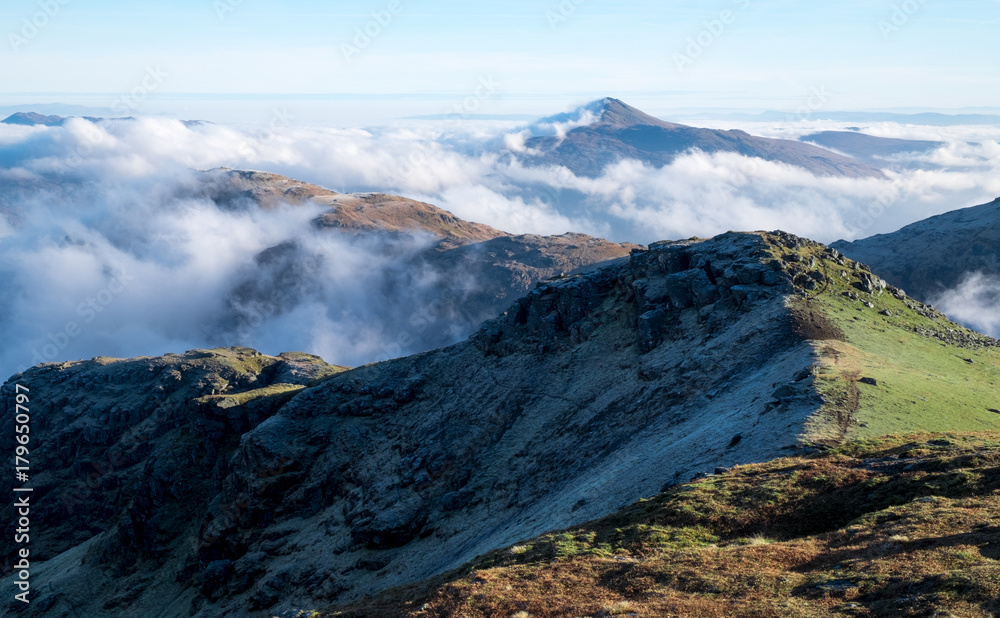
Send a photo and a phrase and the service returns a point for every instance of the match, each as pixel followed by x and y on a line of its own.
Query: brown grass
pixel 900 527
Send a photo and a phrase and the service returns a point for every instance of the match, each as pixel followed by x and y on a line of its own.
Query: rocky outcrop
pixel 226 482
pixel 121 448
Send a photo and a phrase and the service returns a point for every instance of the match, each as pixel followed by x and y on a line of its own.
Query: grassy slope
pixel 923 382
pixel 877 526
pixel 891 527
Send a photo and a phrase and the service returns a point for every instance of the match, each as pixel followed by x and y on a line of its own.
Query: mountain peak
pixel 617 113
pixel 606 131
pixel 606 112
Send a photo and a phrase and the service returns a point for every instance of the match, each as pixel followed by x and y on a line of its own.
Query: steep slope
pixel 618 131
pixel 904 526
pixel 590 393
pixel 933 255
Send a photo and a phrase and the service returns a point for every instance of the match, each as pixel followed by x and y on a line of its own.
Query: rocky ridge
pixel 267 484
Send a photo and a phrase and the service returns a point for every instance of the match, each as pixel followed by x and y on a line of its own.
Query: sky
pixel 240 59
pixel 326 95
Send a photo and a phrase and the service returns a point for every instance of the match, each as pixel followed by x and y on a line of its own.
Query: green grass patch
pixel 930 374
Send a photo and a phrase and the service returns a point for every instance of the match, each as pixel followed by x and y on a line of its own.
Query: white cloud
pixel 110 198
pixel 975 302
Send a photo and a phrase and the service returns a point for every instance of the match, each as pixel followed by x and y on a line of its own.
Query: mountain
pixel 36 119
pixel 934 255
pixel 429 279
pixel 226 482
pixel 869 147
pixel 467 272
pixel 355 213
pixel 610 131
pixel 33 119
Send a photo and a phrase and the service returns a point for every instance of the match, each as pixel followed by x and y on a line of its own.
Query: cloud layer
pixel 975 302
pixel 106 249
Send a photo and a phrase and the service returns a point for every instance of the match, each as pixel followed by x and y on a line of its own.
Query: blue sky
pixel 545 56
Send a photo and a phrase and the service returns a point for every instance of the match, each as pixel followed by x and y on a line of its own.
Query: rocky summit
pixel 225 482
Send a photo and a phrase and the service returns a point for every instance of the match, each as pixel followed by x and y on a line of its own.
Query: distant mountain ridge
pixel 618 131
pixel 33 119
pixel 931 256
pixel 869 148
pixel 503 265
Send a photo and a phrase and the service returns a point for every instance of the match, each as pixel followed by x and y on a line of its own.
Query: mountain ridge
pixel 911 256
pixel 591 392
pixel 624 132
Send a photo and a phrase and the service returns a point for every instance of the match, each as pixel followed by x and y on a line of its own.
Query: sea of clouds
pixel 106 248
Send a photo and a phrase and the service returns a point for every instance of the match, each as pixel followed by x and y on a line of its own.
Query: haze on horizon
pixel 236 60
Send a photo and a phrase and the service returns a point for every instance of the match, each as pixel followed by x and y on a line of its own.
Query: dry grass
pixel 619 608
pixel 897 527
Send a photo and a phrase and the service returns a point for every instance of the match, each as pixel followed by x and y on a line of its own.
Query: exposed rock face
pixel 226 497
pixel 933 255
pixel 126 451
pixel 623 132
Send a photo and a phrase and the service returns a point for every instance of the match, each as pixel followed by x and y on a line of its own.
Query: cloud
pixel 975 303
pixel 89 206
